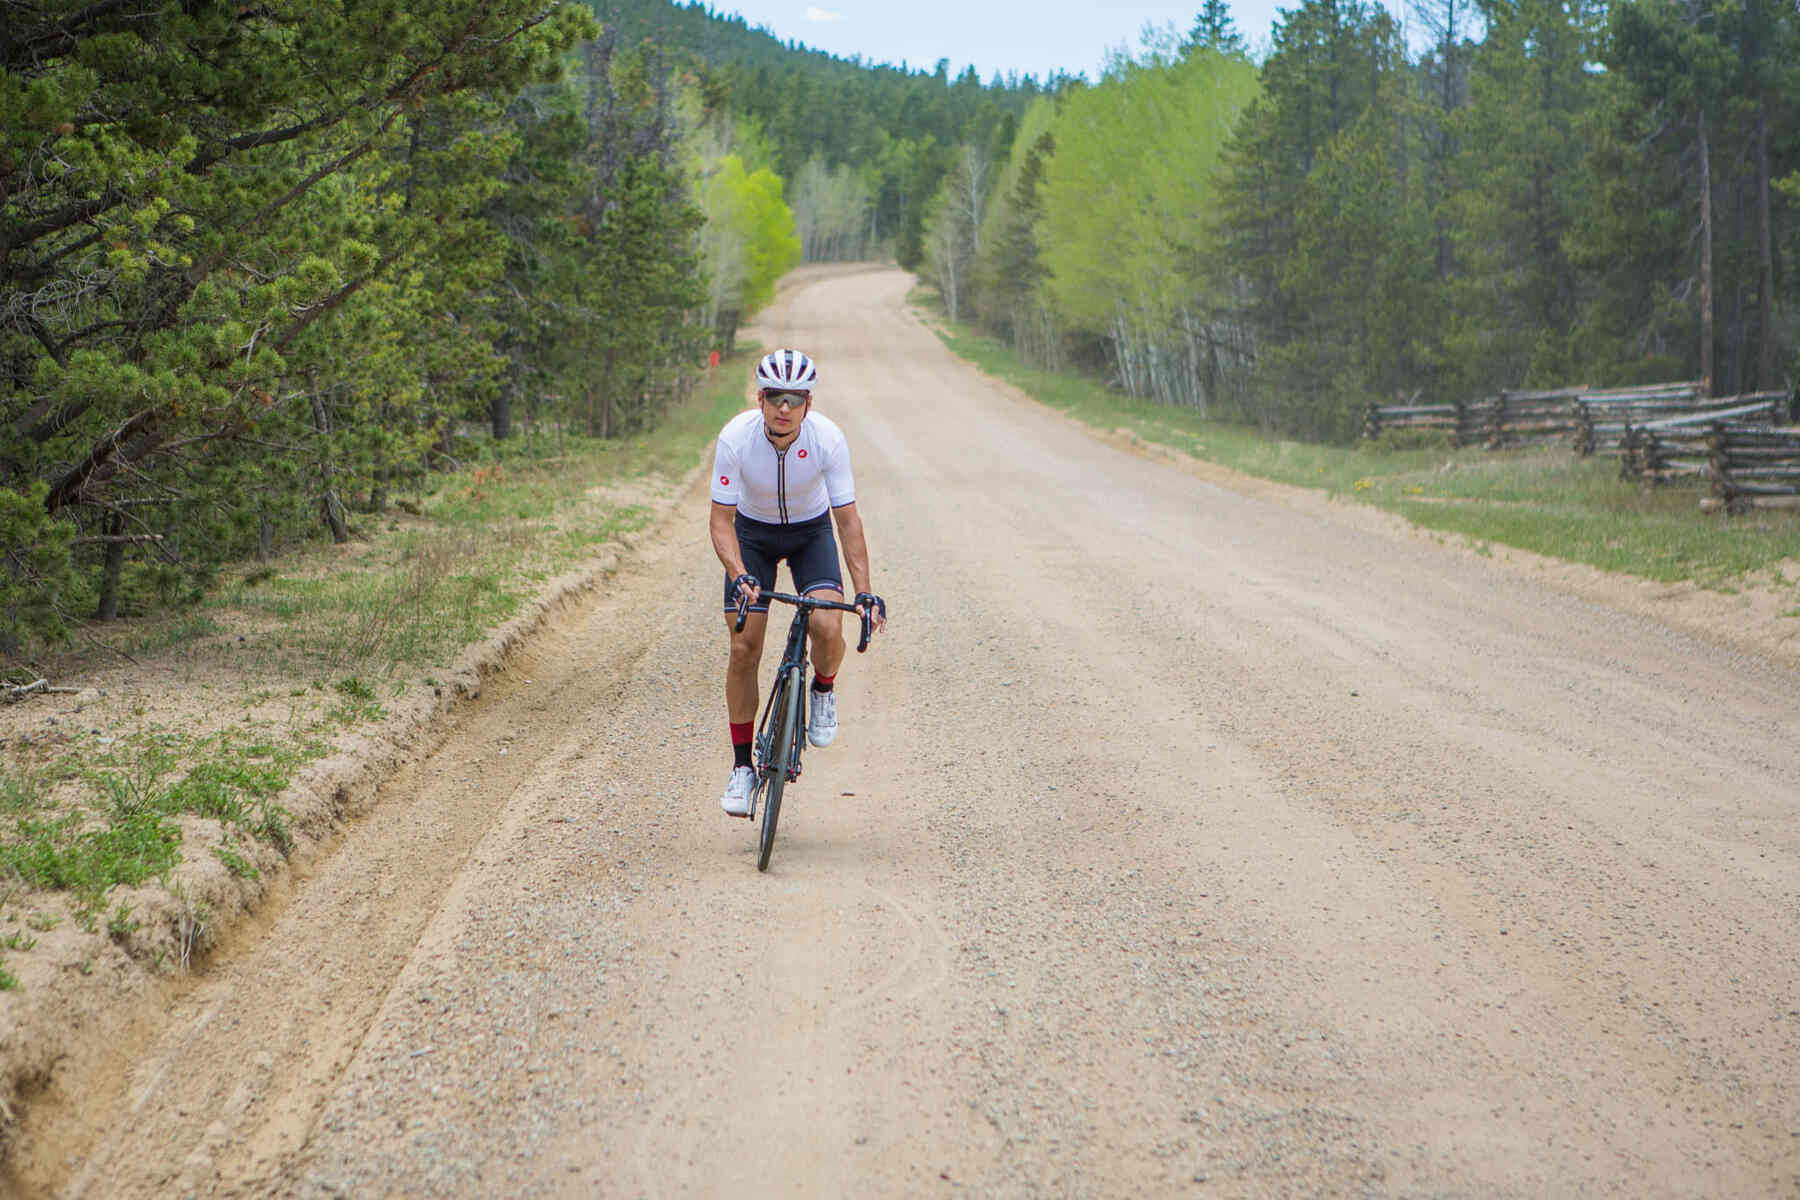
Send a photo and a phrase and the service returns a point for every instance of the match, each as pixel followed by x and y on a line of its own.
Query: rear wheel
pixel 783 745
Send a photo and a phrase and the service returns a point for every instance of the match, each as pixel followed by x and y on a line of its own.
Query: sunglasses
pixel 790 400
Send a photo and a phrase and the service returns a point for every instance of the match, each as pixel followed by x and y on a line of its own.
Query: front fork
pixel 765 758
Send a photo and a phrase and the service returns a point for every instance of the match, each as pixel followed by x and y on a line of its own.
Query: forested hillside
pixel 258 266
pixel 862 146
pixel 1549 194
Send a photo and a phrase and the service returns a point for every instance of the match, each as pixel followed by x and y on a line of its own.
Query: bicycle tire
pixel 783 747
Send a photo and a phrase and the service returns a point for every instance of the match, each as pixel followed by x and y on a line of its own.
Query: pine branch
pixel 329 305
pixel 47 418
pixel 62 218
pixel 60 37
pixel 66 489
pixel 117 539
pixel 200 163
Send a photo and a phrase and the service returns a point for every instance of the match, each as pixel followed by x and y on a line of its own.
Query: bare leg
pixel 825 628
pixel 740 676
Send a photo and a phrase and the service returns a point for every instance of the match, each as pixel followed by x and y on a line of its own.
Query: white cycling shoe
pixel 736 801
pixel 821 720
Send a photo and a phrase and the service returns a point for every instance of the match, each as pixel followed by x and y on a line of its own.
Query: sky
pixel 1034 38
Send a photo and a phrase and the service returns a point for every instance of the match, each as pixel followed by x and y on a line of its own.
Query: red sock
pixel 822 683
pixel 743 735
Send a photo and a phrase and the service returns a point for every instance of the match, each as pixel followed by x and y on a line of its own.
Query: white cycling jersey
pixel 782 487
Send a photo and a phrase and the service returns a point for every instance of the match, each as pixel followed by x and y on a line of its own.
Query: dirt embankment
pixel 84 983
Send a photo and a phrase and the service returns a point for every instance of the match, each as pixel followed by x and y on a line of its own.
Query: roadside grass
pixel 107 811
pixel 298 651
pixel 420 588
pixel 1548 501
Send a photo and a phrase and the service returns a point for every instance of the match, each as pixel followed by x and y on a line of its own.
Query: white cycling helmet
pixel 786 371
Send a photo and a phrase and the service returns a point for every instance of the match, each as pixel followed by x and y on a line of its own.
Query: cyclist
pixel 781 475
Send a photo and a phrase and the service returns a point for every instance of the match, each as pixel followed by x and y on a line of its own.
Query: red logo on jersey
pixel 803 454
pixel 725 479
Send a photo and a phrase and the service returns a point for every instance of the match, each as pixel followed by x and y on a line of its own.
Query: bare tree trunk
pixel 108 609
pixel 1706 264
pixel 1765 261
pixel 975 161
pixel 502 413
pixel 333 511
pixel 600 422
pixel 329 505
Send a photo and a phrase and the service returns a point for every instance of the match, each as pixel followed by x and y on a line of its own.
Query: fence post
pixel 1718 466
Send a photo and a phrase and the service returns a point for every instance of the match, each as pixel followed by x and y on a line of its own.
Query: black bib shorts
pixel 809 548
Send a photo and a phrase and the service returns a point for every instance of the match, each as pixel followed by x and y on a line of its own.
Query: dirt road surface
pixel 1177 841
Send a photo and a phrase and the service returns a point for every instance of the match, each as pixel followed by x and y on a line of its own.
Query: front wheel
pixel 783 745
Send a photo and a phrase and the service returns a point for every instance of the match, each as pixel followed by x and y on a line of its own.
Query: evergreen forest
pixel 1498 194
pixel 265 269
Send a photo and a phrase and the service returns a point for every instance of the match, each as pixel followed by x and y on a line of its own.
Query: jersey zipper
pixel 781 483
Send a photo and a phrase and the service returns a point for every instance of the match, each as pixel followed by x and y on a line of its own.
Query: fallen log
pixel 19 691
pixel 41 687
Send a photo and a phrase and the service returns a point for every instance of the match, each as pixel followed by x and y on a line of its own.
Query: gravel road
pixel 1176 841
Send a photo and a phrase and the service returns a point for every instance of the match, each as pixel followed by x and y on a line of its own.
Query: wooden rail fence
pixel 1746 447
pixel 1675 446
pixel 1747 466
pixel 1754 467
pixel 1607 421
pixel 1591 420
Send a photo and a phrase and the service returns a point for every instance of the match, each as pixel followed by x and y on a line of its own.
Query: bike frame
pixel 793 662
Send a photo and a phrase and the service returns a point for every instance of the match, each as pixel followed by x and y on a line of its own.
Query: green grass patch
pixel 155 636
pixel 20 792
pixel 113 818
pixel 66 855
pixel 117 817
pixel 234 862
pixel 1547 501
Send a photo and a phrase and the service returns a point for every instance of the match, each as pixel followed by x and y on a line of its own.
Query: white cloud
pixel 824 15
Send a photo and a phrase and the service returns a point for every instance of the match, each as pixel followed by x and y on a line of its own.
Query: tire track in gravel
pixel 253 1050
pixel 1177 841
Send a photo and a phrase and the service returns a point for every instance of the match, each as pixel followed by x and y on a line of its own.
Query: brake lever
pixel 743 602
pixel 868 602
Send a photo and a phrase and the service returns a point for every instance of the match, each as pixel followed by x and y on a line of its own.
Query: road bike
pixel 781 734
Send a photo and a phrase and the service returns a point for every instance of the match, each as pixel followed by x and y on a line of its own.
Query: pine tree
pixel 227 191
pixel 1215 30
pixel 1521 146
pixel 1284 229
